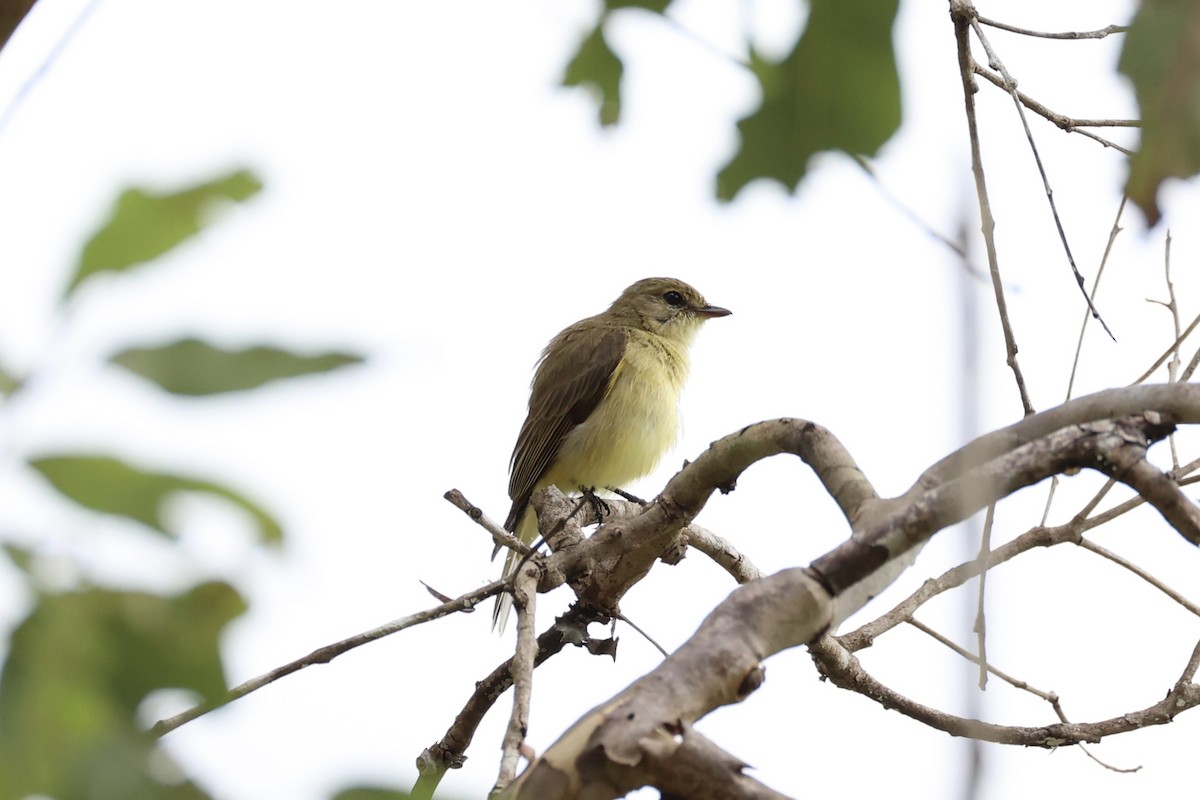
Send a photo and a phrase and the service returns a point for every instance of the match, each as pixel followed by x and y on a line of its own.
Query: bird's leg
pixel 598 505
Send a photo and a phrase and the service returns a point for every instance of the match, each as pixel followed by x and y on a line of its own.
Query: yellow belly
pixel 632 427
pixel 623 439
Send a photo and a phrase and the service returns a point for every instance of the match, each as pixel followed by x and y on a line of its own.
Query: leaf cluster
pixel 87 656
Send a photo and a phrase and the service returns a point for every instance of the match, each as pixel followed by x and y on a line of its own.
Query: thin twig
pixel 1112 236
pixel 522 664
pixel 1088 544
pixel 985 547
pixel 1098 34
pixel 1010 85
pixel 1186 375
pixel 323 655
pixel 1063 122
pixel 955 247
pixel 646 636
pixel 962 13
pixel 1049 697
pixel 1067 123
pixel 1173 307
pixel 449 752
pixel 501 537
pixel 1158 362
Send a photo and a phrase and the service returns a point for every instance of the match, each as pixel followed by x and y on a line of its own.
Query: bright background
pixel 436 201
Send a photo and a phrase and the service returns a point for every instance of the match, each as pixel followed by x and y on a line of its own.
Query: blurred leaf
pixel 144 225
pixel 8 382
pixel 657 6
pixel 20 557
pixel 192 367
pixel 597 67
pixel 77 669
pixel 114 487
pixel 838 90
pixel 370 793
pixel 1162 58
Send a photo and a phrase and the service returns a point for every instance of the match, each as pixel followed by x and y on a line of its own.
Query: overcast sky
pixel 435 201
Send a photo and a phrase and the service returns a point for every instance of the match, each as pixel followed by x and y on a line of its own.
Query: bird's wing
pixel 570 382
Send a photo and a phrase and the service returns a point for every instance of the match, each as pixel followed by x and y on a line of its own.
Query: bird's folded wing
pixel 571 379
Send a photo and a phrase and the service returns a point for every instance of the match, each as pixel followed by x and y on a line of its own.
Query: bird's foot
pixel 598 505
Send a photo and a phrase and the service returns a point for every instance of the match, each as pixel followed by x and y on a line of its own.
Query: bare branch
pixel 521 668
pixel 1049 697
pixel 323 655
pixel 501 537
pixel 450 751
pixel 1112 237
pixel 1181 401
pixel 1098 34
pixel 955 247
pixel 961 11
pixel 1189 671
pixel 844 670
pixel 1162 359
pixel 1068 124
pixel 1010 86
pixel 722 552
pixel 1127 463
pixel 1087 544
pixel 980 627
pixel 623 734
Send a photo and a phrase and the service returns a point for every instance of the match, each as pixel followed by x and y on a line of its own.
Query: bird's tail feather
pixel 526 532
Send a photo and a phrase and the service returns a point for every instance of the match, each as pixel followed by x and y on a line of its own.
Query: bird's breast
pixel 634 425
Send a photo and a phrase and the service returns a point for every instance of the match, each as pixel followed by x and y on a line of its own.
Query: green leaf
pixel 1162 58
pixel 192 367
pixel 21 558
pixel 597 67
pixel 114 487
pixel 79 666
pixel 839 89
pixel 657 6
pixel 9 383
pixel 370 793
pixel 145 224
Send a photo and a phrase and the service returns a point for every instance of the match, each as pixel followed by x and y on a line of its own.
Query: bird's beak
pixel 708 312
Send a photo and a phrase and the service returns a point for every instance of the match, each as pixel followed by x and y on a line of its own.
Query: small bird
pixel 603 403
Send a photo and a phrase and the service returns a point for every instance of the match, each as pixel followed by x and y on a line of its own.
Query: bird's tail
pixel 526 532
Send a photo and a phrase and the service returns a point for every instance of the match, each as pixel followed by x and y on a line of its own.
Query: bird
pixel 603 404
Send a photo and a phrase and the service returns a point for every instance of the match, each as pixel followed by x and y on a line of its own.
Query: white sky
pixel 435 201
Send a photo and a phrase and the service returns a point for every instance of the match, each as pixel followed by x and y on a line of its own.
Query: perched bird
pixel 603 403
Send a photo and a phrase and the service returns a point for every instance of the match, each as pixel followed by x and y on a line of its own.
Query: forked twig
pixel 1010 86
pixel 1097 34
pixel 962 13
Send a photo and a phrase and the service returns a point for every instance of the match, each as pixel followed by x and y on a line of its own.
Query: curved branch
pixel 1181 401
pixel 915 519
pixel 720 663
pixel 603 567
pixel 844 670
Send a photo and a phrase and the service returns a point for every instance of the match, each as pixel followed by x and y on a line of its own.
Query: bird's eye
pixel 673 299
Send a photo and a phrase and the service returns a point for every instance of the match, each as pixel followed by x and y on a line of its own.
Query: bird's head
pixel 665 306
